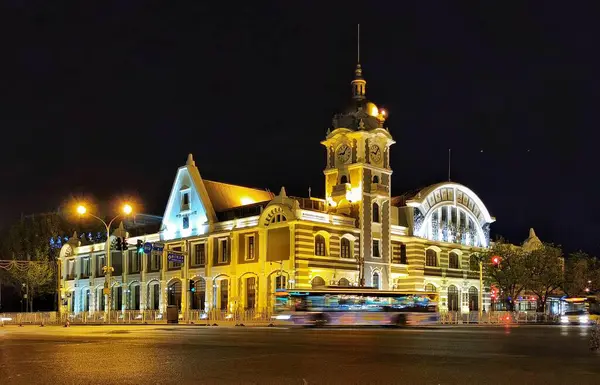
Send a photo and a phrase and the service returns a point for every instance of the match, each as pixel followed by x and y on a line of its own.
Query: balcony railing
pixel 340 190
pixel 378 188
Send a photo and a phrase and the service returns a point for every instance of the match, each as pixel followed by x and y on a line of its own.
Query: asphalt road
pixel 217 355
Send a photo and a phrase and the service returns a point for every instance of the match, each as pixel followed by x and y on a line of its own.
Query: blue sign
pixel 175 257
pixel 147 247
pixel 158 247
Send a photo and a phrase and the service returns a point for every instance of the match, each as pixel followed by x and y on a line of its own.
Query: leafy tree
pixel 545 268
pixel 510 274
pixel 582 272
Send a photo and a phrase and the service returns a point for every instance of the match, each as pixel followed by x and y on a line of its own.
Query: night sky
pixel 108 102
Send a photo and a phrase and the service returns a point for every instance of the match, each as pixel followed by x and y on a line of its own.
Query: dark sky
pixel 108 102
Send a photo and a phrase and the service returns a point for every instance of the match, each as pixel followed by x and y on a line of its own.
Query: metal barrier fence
pixel 137 317
pixel 254 317
pixel 497 317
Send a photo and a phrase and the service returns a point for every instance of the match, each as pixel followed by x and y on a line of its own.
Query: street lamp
pixel 126 209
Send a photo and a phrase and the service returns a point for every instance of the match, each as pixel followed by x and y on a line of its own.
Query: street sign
pixel 147 247
pixel 157 247
pixel 175 257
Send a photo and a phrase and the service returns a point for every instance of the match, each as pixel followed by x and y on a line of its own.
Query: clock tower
pixel 358 179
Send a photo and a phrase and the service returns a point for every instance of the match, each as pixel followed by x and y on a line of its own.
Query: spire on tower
pixel 359 84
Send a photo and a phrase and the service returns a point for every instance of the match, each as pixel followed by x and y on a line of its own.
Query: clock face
pixel 375 153
pixel 343 153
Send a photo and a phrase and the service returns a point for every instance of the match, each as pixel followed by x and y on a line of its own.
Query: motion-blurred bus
pixel 356 306
pixel 580 310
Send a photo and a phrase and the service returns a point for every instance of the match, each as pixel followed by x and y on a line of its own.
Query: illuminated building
pixel 241 244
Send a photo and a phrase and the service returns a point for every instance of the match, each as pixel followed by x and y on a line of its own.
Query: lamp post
pixel 480 289
pixel 108 269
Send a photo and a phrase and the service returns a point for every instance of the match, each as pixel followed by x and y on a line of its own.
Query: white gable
pixel 189 211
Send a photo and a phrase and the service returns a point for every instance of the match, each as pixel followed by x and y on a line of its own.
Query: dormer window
pixel 185 200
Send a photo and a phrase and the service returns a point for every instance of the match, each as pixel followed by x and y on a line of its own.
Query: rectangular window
pixel 200 254
pixel 223 250
pixel 376 252
pixel 175 265
pixel 85 267
pixel 134 261
pixel 185 201
pixel 250 247
pixel 155 261
pixel 100 264
pixel 186 222
pixel 71 269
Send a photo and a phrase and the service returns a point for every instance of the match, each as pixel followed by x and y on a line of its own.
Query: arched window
pixel 344 282
pixel 430 258
pixel 375 212
pixel 376 179
pixel 473 299
pixel 320 247
pixel 376 280
pixel 473 263
pixel 452 298
pixel 430 288
pixel 343 179
pixel 280 282
pixel 199 295
pixel 317 282
pixel 278 218
pixel 345 248
pixel 453 260
pixel 403 259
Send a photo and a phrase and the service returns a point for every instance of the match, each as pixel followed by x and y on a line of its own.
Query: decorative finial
pixel 190 160
pixel 282 192
pixel 531 233
pixel 361 125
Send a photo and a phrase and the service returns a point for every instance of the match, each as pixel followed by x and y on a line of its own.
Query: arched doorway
pixel 452 298
pixel 174 293
pixel 199 296
pixel 153 295
pixel 473 299
pixel 134 296
pixel 85 299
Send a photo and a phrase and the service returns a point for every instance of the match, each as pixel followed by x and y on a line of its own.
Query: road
pixel 217 355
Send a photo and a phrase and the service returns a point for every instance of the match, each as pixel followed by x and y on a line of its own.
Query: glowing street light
pixel 126 209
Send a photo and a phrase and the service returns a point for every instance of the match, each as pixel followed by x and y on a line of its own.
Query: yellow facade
pixel 241 244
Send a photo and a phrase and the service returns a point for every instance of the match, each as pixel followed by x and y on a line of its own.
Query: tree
pixel 582 272
pixel 29 240
pixel 545 267
pixel 510 273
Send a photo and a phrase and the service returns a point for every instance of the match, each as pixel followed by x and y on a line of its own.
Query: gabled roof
pixel 225 196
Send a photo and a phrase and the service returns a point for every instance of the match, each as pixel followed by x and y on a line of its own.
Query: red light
pixel 496 260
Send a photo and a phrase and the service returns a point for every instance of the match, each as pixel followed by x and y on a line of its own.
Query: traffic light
pixel 139 246
pixel 118 243
pixel 496 260
pixel 192 286
pixel 124 245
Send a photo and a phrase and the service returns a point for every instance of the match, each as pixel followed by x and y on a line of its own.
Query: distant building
pixel 241 243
